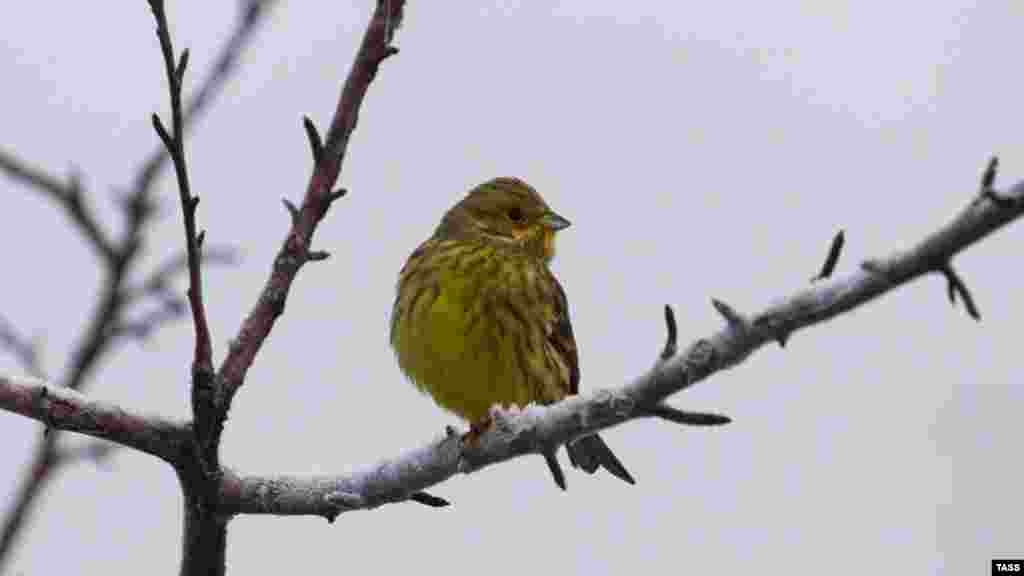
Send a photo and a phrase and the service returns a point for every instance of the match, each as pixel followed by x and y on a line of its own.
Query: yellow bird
pixel 480 320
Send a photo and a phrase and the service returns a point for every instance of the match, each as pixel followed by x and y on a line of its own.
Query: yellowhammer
pixel 479 319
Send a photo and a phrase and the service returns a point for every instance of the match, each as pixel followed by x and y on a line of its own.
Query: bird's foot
pixel 477 429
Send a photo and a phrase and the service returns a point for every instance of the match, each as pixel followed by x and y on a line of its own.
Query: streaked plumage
pixel 479 319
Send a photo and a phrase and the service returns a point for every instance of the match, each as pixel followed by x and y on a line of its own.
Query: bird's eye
pixel 515 214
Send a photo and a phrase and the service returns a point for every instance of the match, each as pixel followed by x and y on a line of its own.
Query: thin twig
pixel 175 143
pixel 72 411
pixel 23 349
pixel 536 429
pixel 833 257
pixel 68 196
pixel 955 286
pixel 295 252
pixel 119 258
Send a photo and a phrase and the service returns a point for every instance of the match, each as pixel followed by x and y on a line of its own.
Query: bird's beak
pixel 554 221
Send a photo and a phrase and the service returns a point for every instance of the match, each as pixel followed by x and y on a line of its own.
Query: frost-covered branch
pixel 537 428
pixel 62 408
pixel 119 254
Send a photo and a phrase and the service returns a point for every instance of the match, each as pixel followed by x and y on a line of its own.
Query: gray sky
pixel 700 152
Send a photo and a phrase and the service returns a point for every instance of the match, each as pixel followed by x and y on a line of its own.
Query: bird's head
pixel 506 211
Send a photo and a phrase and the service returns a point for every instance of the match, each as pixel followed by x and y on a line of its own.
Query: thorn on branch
pixel 666 412
pixel 179 71
pixel 955 286
pixel 165 137
pixel 389 51
pixel 833 257
pixel 200 238
pixel 429 500
pixel 336 195
pixel 671 341
pixel 292 210
pixel 782 339
pixel 731 316
pixel 556 468
pixel 316 144
pixel 988 179
pixel 317 255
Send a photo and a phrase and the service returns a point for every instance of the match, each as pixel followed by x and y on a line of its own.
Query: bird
pixel 480 320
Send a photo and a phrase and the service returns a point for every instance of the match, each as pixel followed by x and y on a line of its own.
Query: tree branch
pixel 64 409
pixel 106 321
pixel 205 534
pixel 532 430
pixel 536 428
pixel 175 144
pixel 295 252
pixel 23 349
pixel 68 196
pixel 222 70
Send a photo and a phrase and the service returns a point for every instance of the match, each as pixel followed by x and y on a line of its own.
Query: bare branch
pixel 956 286
pixel 296 249
pixel 672 338
pixel 65 409
pixel 535 429
pixel 682 417
pixel 316 144
pixel 222 70
pixel 832 259
pixel 68 196
pixel 23 349
pixel 175 143
pixel 139 207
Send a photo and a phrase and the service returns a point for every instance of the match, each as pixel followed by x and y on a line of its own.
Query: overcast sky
pixel 699 152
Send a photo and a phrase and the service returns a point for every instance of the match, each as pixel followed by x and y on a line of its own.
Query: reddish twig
pixel 119 257
pixel 74 412
pixel 295 252
pixel 23 349
pixel 68 196
pixel 175 143
pixel 204 534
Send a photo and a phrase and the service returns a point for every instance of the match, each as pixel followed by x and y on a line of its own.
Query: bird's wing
pixel 562 341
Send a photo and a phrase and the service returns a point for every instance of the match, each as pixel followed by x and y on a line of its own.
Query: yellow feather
pixel 479 319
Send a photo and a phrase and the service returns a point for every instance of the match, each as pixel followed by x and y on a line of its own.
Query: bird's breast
pixel 475 339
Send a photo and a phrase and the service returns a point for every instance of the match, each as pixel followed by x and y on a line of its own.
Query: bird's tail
pixel 590 453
